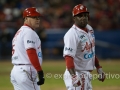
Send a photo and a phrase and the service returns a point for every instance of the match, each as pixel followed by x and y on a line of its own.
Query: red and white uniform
pixel 24 39
pixel 81 46
pixel 23 74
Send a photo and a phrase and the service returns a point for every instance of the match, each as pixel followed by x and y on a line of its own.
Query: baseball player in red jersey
pixel 79 52
pixel 27 73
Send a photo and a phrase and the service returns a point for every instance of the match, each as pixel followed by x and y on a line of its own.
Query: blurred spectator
pixel 104 14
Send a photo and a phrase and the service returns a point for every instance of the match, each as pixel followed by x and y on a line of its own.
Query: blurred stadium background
pixel 104 18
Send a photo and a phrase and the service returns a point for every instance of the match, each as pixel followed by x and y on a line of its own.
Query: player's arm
pixel 35 62
pixel 99 70
pixel 71 68
pixel 34 58
pixel 70 65
pixel 97 65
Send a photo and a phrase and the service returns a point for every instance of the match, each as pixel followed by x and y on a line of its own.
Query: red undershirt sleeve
pixel 69 62
pixel 97 65
pixel 34 59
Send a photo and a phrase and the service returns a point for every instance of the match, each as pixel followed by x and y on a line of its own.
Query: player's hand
pixel 75 81
pixel 101 74
pixel 41 78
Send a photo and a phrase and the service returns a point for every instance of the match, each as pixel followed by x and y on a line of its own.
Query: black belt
pixel 22 64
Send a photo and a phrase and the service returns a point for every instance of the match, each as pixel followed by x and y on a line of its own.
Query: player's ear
pixel 25 18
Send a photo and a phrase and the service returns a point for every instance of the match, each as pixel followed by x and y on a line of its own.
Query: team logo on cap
pixel 81 7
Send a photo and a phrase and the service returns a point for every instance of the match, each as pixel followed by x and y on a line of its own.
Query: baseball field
pixel 54 69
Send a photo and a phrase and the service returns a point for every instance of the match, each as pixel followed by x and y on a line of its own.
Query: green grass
pixel 54 70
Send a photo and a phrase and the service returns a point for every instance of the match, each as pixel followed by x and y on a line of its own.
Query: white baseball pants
pixel 24 77
pixel 85 79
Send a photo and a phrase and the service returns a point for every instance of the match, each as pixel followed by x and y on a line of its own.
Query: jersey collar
pixel 28 26
pixel 80 29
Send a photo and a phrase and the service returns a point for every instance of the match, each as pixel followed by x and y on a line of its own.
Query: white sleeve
pixel 70 45
pixel 30 40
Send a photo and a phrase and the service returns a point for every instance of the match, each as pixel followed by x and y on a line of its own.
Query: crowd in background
pixel 104 15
